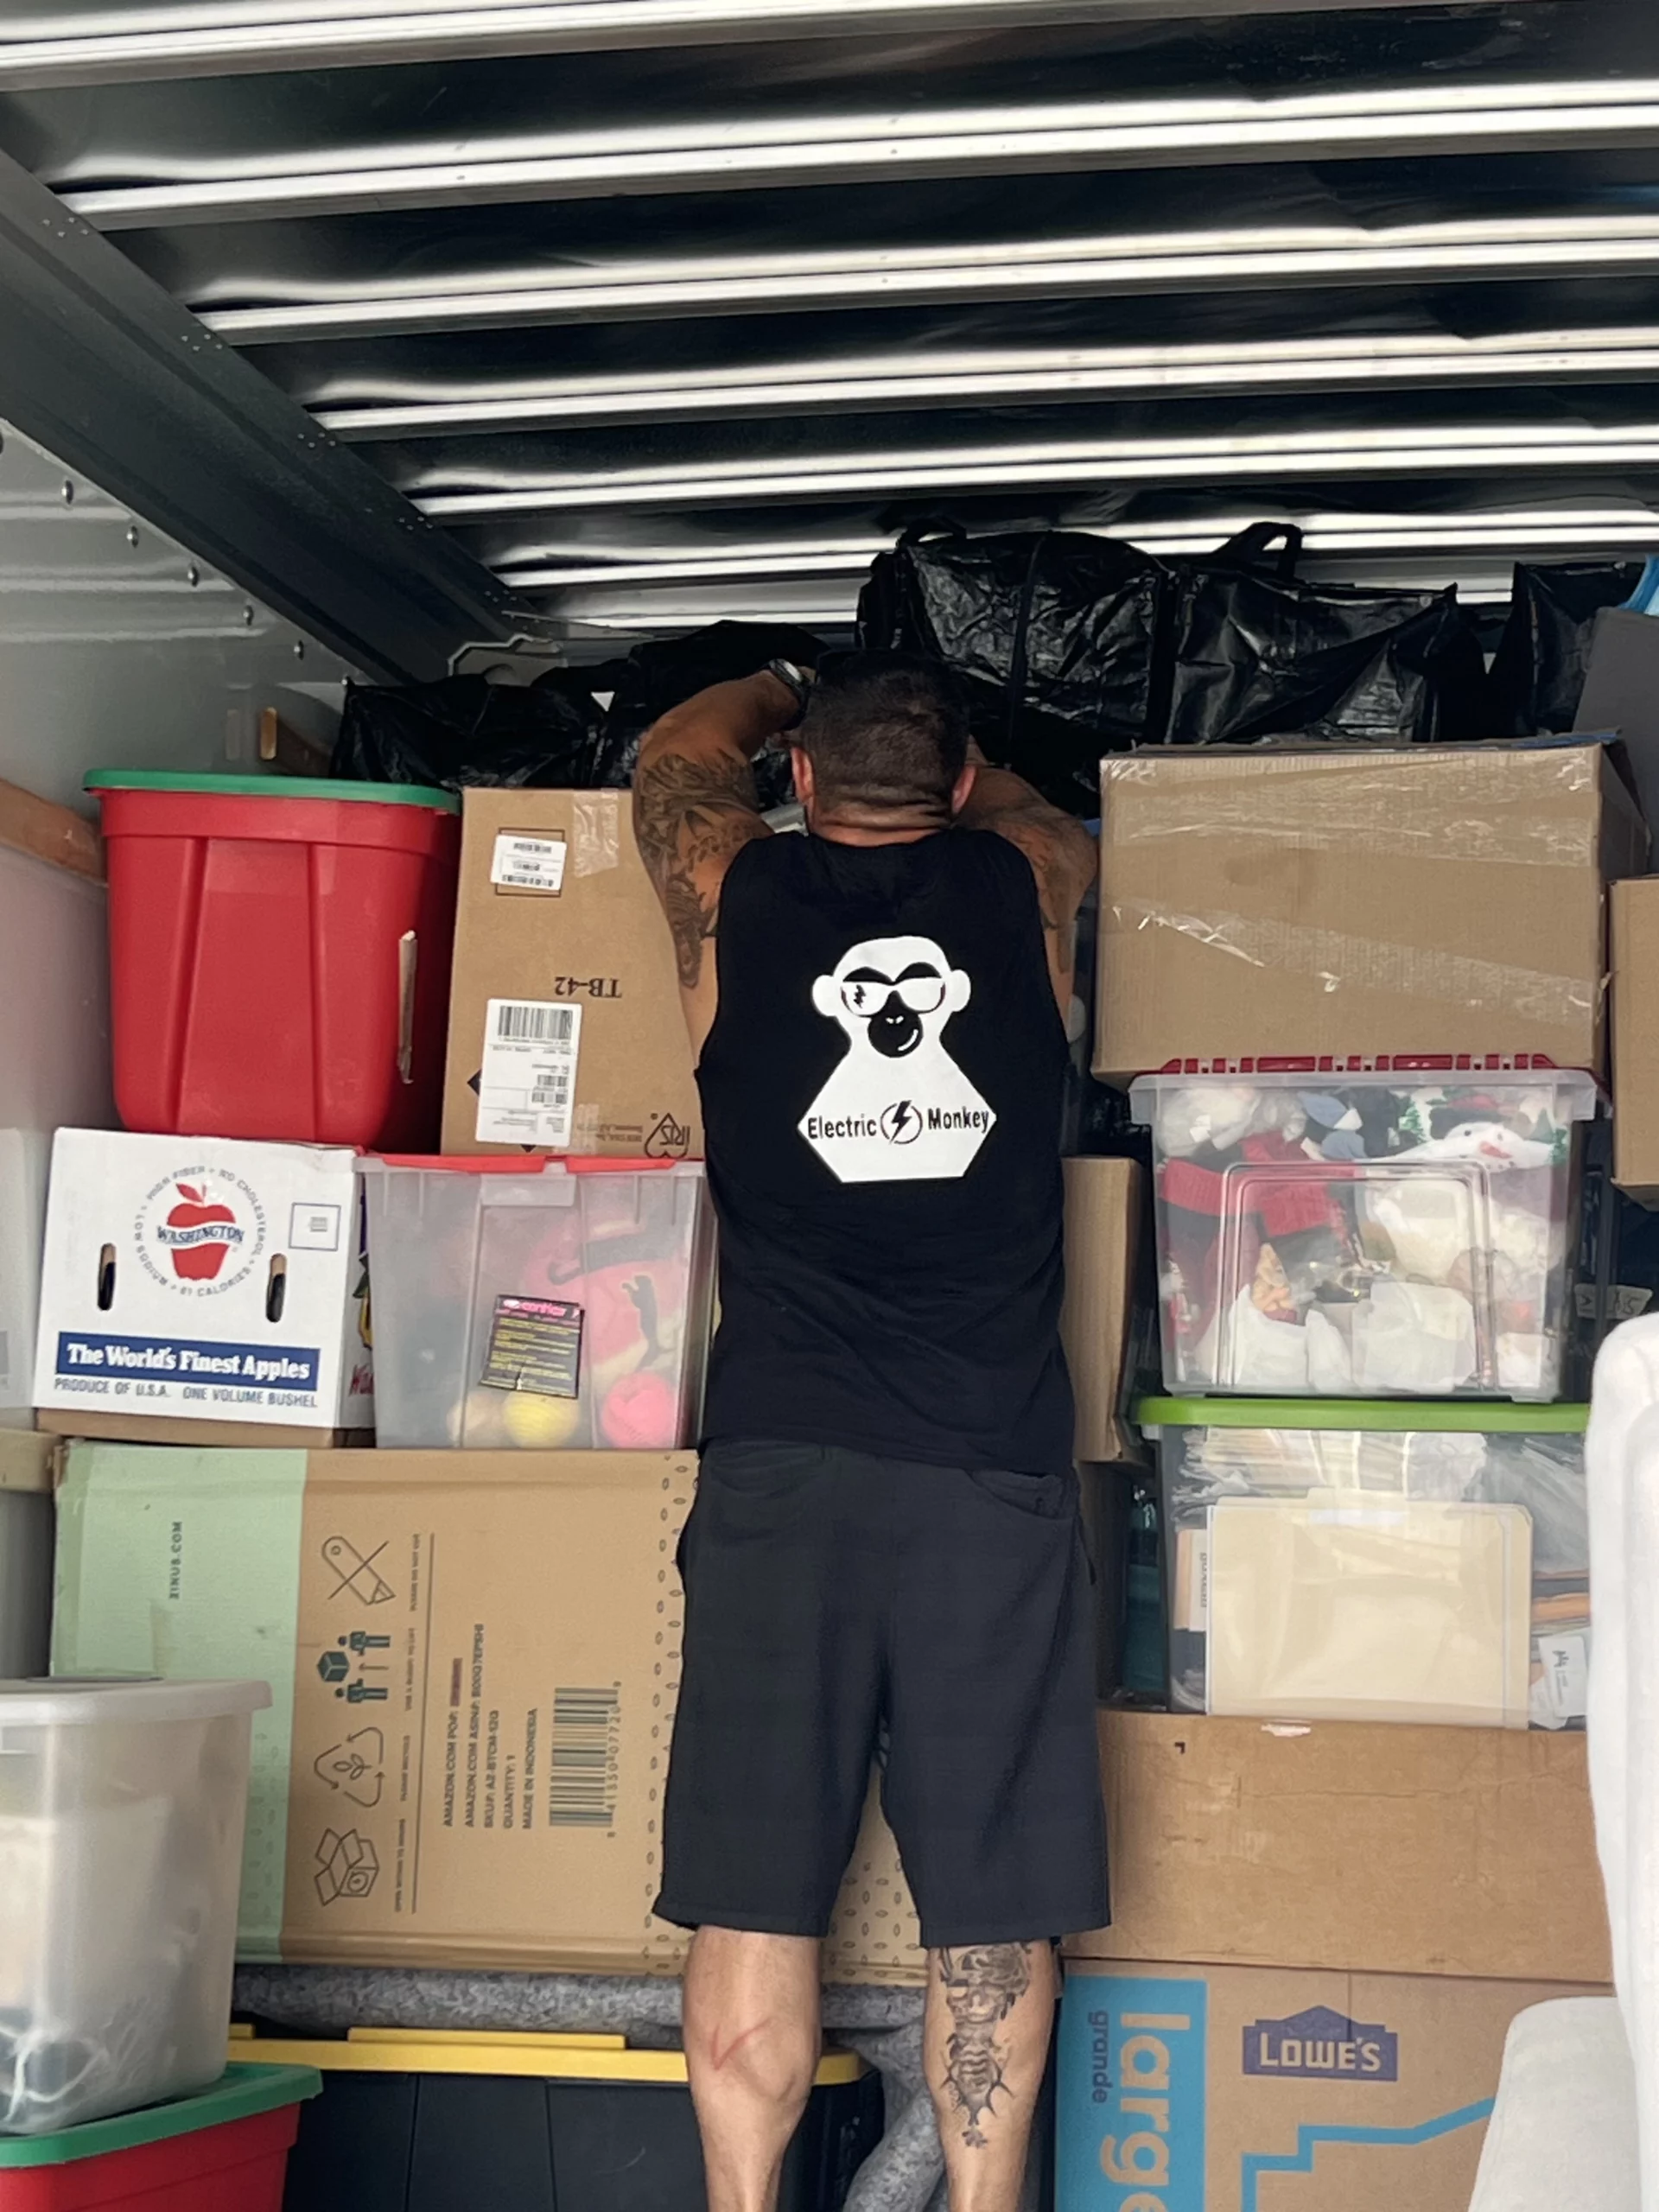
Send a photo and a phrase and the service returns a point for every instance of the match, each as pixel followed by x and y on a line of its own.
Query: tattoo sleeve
pixel 692 812
pixel 982 1983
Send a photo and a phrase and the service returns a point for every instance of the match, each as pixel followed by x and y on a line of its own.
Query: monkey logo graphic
pixel 898 1109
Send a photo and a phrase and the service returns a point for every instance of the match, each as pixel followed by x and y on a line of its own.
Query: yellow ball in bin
pixel 538 1424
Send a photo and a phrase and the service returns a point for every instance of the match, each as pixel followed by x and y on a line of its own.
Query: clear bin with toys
pixel 550 1305
pixel 1402 1232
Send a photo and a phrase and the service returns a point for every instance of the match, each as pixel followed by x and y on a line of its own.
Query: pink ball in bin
pixel 640 1414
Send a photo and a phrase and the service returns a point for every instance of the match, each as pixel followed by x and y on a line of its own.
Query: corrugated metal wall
pixel 673 308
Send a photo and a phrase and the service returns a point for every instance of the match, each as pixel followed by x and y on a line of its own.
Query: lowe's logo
pixel 1319 2043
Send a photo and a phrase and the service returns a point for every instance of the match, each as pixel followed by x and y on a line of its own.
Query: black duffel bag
pixel 1072 645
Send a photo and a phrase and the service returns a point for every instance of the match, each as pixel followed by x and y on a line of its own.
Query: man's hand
pixel 695 809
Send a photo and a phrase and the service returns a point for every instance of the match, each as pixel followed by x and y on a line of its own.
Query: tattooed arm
pixel 693 810
pixel 1061 852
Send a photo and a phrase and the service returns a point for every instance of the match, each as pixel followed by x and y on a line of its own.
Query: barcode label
pixel 527 1085
pixel 520 863
pixel 583 1758
pixel 526 1021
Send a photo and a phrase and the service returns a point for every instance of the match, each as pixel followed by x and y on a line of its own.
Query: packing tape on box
pixel 595 831
pixel 1427 805
pixel 1336 959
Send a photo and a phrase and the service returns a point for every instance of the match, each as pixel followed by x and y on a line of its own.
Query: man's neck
pixel 856 826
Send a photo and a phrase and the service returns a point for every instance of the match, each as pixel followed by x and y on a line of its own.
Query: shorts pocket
pixel 760 1469
pixel 1041 1497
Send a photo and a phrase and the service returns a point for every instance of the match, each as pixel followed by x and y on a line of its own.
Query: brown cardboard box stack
pixel 1322 1929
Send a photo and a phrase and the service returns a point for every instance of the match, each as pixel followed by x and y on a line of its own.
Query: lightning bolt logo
pixel 901 1123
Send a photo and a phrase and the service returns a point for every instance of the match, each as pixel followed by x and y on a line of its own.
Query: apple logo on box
pixel 201 1218
pixel 198 1233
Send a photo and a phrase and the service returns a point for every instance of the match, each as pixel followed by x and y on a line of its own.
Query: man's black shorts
pixel 833 1598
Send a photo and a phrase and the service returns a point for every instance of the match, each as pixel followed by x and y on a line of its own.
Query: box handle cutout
pixel 106 1279
pixel 276 1287
pixel 407 950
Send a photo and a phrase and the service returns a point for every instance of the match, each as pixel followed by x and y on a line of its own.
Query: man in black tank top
pixel 885 1549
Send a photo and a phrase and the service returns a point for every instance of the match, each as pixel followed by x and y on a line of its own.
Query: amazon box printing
pixel 1443 900
pixel 474 1660
pixel 1217 2089
pixel 565 1029
pixel 195 1280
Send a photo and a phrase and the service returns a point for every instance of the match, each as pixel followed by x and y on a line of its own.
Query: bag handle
pixel 1247 548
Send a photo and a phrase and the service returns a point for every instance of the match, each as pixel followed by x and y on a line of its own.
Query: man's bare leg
pixel 990 2013
pixel 751 2045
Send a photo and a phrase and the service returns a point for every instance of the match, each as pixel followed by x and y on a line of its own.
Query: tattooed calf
pixel 982 1984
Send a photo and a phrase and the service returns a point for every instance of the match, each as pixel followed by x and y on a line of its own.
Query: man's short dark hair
pixel 886 733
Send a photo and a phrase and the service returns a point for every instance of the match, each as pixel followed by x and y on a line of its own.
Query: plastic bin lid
pixel 495 1163
pixel 171 779
pixel 242 2093
pixel 87 1701
pixel 543 2058
pixel 1469 1416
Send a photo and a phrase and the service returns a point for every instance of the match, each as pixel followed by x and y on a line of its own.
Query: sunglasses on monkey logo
pixel 865 990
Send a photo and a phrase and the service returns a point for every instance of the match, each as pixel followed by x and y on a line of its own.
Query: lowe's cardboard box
pixel 565 1029
pixel 474 1662
pixel 1192 2088
pixel 191 1281
pixel 1266 904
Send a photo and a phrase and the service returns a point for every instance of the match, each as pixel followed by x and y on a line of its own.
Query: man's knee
pixel 751 2018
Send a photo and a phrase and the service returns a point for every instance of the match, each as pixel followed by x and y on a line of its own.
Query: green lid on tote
pixel 181 781
pixel 1396 1416
pixel 242 2093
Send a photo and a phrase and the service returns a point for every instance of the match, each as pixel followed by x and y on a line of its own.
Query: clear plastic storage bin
pixel 1376 1562
pixel 1365 1235
pixel 544 1304
pixel 122 1808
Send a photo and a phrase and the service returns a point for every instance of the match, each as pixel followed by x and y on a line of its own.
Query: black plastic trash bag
pixel 1543 655
pixel 464 730
pixel 1053 633
pixel 1072 646
pixel 666 673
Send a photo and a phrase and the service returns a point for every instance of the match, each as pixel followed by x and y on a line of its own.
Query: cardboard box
pixel 1467 1851
pixel 196 1278
pixel 1188 2088
pixel 1636 1036
pixel 1266 904
pixel 566 1032
pixel 474 1660
pixel 1104 1227
pixel 25 1553
pixel 1621 693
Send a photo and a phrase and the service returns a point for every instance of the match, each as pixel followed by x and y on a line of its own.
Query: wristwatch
pixel 792 679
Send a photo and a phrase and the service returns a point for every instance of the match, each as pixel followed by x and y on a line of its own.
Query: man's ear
pixel 960 788
pixel 801 768
pixel 826 995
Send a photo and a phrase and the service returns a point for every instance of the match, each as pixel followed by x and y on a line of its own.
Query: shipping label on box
pixel 474 1662
pixel 1244 2089
pixel 199 1278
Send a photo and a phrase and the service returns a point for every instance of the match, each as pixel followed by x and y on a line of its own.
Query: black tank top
pixel 881 1095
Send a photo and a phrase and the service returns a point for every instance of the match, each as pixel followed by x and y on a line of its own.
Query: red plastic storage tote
pixel 226 2150
pixel 279 954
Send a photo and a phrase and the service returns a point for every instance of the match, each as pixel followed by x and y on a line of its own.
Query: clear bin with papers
pixel 1331 1560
